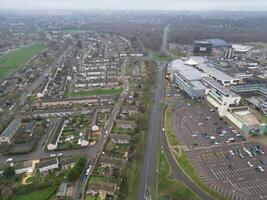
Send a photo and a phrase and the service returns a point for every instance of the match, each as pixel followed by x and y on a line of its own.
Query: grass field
pixel 43 194
pixel 170 187
pixel 15 59
pixel 104 91
pixel 186 164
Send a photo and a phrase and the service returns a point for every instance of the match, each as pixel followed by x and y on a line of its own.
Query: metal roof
pixel 9 131
pixel 209 68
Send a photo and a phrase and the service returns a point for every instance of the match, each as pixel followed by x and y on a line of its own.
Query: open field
pixel 39 194
pixel 103 91
pixel 14 60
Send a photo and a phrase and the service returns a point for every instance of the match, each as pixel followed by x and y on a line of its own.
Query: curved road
pixel 177 172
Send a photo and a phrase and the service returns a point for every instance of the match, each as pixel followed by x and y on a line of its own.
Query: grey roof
pixel 9 131
pixel 30 126
pixel 56 131
pixel 61 192
pixel 198 85
pixel 209 68
pixel 218 43
pixel 67 161
pixel 46 162
pixel 188 72
pixel 213 83
pixel 261 88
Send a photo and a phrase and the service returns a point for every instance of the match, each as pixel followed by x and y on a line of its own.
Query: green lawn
pixel 43 194
pixel 264 119
pixel 171 137
pixel 15 59
pixel 104 91
pixel 170 187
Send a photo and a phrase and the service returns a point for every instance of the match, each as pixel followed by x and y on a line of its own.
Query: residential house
pixel 24 167
pixel 67 162
pixel 120 138
pixel 125 124
pixel 55 134
pixel 10 131
pixel 61 191
pixel 47 165
pixel 30 127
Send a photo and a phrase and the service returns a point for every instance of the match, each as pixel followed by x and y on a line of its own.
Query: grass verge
pixel 171 188
pixel 186 164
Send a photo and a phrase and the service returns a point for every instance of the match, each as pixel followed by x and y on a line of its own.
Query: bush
pixel 75 172
pixel 9 172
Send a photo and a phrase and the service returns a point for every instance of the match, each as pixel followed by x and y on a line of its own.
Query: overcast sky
pixel 136 4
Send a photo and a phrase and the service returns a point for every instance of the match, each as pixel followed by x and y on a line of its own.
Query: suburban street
pixel 98 148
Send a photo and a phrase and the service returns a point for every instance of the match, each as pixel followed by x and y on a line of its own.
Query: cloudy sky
pixel 136 4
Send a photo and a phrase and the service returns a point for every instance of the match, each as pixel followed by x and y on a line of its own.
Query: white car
pixel 163 129
pixel 200 124
pixel 106 132
pixel 52 155
pixel 260 168
pixel 9 160
pixel 59 154
pixel 231 152
pixel 250 164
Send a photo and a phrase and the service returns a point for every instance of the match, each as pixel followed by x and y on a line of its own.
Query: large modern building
pixel 258 93
pixel 202 47
pixel 199 78
pixel 219 96
pixel 187 78
pixel 209 70
pixel 10 131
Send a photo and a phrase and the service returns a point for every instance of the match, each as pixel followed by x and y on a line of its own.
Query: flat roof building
pixel 187 78
pixel 219 96
pixel 208 69
pixel 254 90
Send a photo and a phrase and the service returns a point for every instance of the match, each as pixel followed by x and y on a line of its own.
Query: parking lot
pixel 224 158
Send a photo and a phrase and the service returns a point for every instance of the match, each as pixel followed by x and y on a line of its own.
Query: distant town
pixel 114 106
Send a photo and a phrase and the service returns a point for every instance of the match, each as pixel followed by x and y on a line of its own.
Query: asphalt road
pixel 177 172
pixel 149 170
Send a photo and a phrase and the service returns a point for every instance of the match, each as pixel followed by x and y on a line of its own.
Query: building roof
pixel 186 70
pixel 218 43
pixel 61 191
pixel 120 137
pixel 23 164
pixel 56 131
pixel 30 126
pixel 190 74
pixel 223 90
pixel 9 131
pixel 241 48
pixel 207 67
pixel 68 160
pixel 46 162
